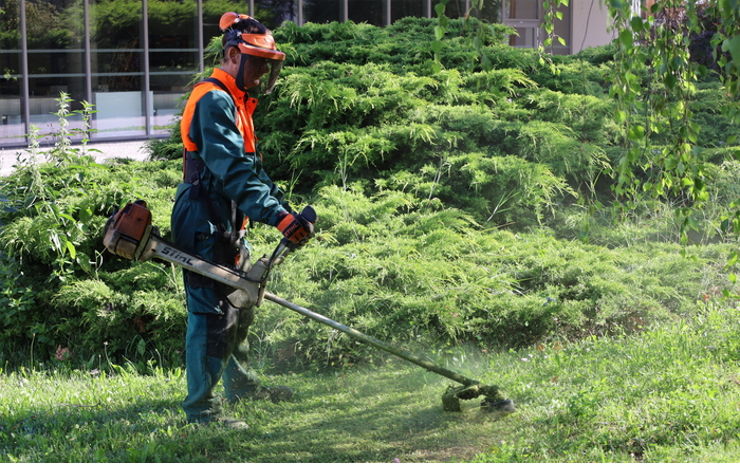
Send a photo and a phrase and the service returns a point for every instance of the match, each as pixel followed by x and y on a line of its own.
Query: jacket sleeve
pixel 222 149
pixel 274 189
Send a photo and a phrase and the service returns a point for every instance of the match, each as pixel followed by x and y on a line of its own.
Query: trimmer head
pixel 492 399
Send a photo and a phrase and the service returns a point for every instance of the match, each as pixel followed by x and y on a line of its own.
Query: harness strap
pixel 193 167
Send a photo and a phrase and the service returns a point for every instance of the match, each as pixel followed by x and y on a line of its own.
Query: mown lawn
pixel 668 394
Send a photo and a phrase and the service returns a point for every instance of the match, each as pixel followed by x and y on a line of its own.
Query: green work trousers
pixel 215 342
pixel 215 347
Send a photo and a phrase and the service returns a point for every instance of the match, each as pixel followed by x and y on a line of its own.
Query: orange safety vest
pixel 245 107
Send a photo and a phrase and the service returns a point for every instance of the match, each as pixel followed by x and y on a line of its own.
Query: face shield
pixel 268 84
pixel 260 74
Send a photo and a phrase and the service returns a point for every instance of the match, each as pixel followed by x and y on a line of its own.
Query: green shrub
pixel 575 76
pixel 724 185
pixel 718 155
pixel 557 146
pixel 400 269
pixel 451 210
pixel 711 108
pixel 501 189
pixel 70 295
pixel 586 115
pixel 598 55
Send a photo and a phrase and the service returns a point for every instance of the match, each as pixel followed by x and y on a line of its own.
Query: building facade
pixel 134 59
pixel 585 23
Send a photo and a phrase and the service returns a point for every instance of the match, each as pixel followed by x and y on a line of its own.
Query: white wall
pixel 590 24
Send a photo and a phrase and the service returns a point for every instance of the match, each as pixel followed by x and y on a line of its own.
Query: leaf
pixel 670 81
pixel 732 45
pixel 625 38
pixel 84 262
pixel 559 15
pixel 726 7
pixel 85 214
pixel 439 8
pixel 439 32
pixel 56 245
pixel 71 249
pixel 562 41
pixel 67 217
pixel 637 132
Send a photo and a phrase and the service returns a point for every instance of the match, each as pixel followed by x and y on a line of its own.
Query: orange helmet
pixel 252 39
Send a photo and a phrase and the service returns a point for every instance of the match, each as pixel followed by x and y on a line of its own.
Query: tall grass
pixel 668 394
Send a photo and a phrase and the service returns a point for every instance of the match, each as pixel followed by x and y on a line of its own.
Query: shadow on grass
pixel 388 416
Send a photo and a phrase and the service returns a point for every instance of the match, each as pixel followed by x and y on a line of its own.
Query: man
pixel 224 187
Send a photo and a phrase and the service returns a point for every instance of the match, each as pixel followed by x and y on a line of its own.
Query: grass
pixel 668 394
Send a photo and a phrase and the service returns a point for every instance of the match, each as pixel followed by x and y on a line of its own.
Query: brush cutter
pixel 129 234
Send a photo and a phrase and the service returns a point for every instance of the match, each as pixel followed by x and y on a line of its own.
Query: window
pixel 56 61
pixel 117 57
pixel 403 8
pixel 12 128
pixel 173 58
pixel 322 11
pixel 368 11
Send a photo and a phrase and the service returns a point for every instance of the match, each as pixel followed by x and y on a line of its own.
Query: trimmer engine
pixel 127 232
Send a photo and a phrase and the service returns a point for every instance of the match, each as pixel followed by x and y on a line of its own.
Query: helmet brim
pixel 274 55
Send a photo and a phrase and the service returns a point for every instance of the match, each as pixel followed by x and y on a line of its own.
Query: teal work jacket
pixel 214 124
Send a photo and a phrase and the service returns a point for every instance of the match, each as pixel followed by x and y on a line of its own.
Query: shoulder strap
pixel 237 232
pixel 213 80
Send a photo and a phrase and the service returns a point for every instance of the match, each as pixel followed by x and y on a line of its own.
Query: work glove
pixel 297 228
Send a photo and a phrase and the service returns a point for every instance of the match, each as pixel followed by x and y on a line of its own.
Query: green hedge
pixel 455 206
